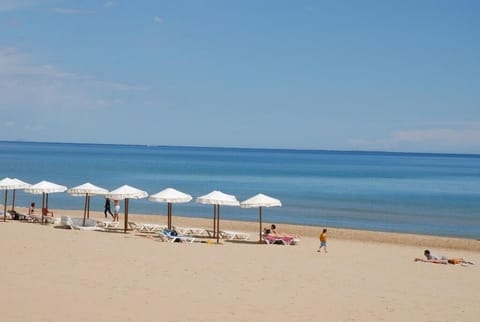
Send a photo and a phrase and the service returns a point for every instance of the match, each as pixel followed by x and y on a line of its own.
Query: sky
pixel 301 74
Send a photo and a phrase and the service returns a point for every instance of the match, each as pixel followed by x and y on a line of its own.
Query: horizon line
pixel 251 148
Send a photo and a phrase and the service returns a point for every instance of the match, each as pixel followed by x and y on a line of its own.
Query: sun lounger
pixel 51 220
pixel 234 235
pixel 168 236
pixel 77 223
pixel 8 215
pixel 33 218
pixel 109 224
pixel 229 234
pixel 191 231
pixel 280 240
pixel 144 227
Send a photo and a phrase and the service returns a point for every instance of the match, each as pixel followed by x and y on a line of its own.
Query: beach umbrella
pixel 87 190
pixel 126 192
pixel 170 196
pixel 11 184
pixel 259 201
pixel 44 188
pixel 217 198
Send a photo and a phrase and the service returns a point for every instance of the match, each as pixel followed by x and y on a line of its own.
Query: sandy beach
pixel 51 274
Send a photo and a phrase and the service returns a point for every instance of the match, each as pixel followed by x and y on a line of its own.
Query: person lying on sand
pixel 436 259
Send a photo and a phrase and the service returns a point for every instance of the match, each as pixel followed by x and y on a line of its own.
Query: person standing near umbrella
pixel 107 208
pixel 116 209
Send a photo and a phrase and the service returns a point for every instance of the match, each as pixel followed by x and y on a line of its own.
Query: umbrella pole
pixel 214 219
pixel 260 219
pixel 88 207
pixel 126 216
pixel 13 200
pixel 5 207
pixel 85 210
pixel 218 224
pixel 43 203
pixel 169 213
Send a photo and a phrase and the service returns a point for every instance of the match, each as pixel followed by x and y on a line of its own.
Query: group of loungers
pixel 177 234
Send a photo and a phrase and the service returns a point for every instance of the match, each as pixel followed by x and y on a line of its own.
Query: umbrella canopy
pixel 11 184
pixel 170 195
pixel 217 198
pixel 44 188
pixel 87 190
pixel 126 192
pixel 259 201
pixel 6 183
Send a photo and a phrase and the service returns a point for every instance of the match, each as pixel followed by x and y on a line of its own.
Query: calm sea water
pixel 434 194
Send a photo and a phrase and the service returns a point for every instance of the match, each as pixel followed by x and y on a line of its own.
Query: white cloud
pixel 10 5
pixel 438 136
pixel 108 4
pixel 459 137
pixel 25 84
pixel 158 20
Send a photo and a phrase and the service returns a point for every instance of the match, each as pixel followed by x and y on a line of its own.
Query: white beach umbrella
pixel 217 198
pixel 87 190
pixel 44 188
pixel 170 195
pixel 126 192
pixel 11 184
pixel 259 201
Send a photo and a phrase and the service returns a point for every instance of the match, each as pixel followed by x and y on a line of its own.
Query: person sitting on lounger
pixel 46 212
pixel 274 232
pixel 31 209
pixel 436 259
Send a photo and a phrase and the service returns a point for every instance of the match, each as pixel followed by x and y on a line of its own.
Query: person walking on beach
pixel 323 241
pixel 107 207
pixel 116 209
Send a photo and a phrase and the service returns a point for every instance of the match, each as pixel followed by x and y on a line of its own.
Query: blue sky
pixel 343 75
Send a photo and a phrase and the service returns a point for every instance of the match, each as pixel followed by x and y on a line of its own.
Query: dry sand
pixel 50 274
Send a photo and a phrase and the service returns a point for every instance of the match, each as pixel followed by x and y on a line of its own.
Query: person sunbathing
pixel 272 233
pixel 439 259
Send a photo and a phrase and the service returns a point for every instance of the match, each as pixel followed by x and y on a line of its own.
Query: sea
pixel 433 194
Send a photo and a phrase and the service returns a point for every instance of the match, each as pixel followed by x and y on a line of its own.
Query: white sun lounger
pixel 166 236
pixel 51 220
pixel 31 218
pixel 145 227
pixel 191 231
pixel 234 235
pixel 109 224
pixel 229 234
pixel 77 223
